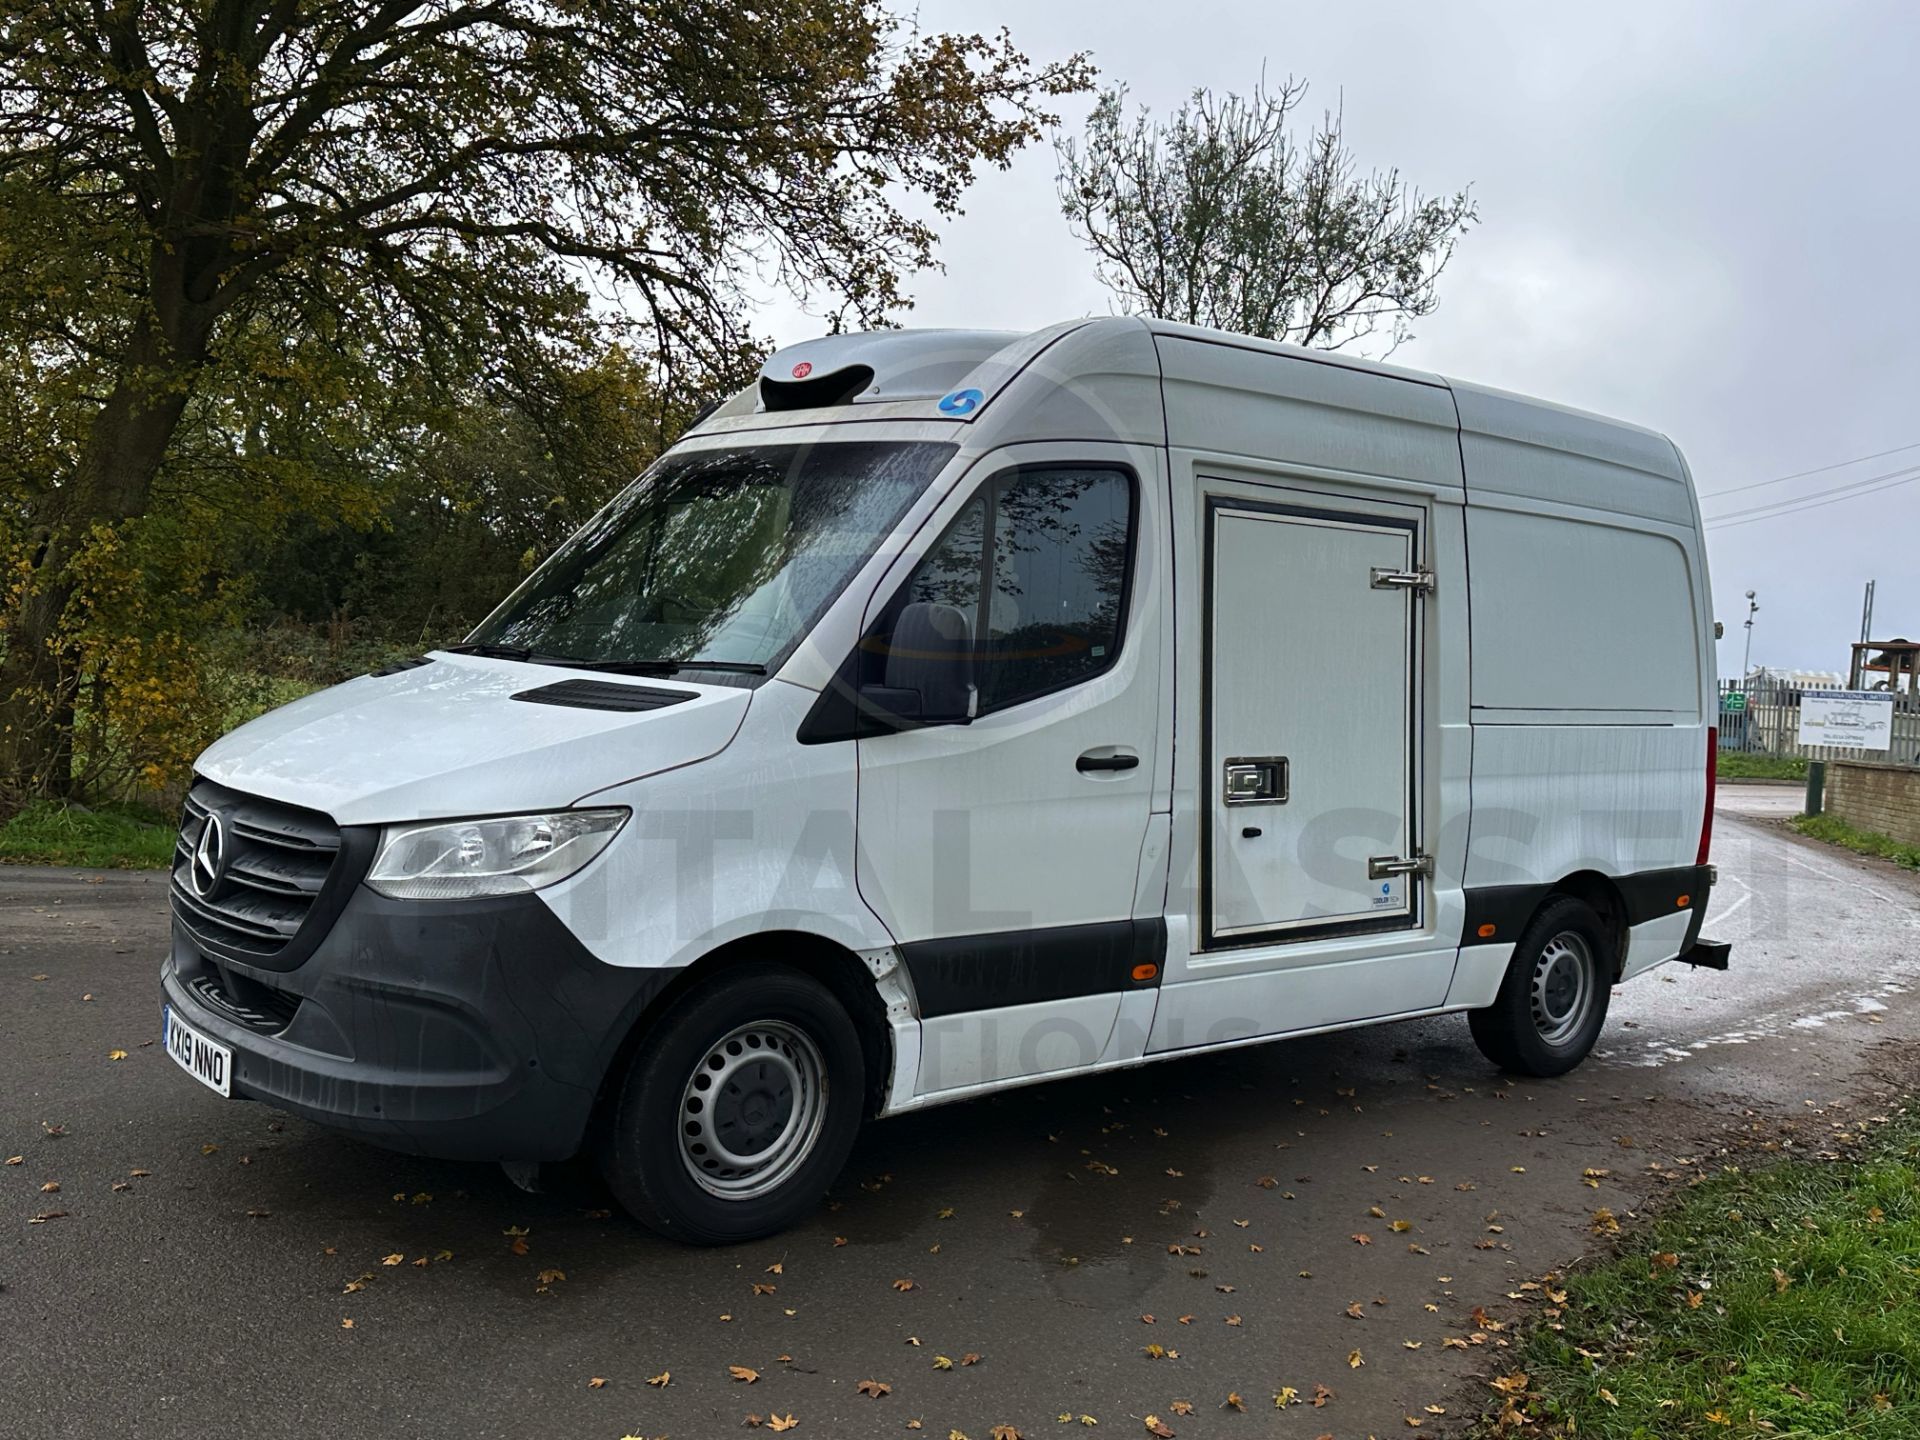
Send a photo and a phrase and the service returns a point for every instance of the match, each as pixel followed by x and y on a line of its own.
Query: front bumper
pixel 465 1030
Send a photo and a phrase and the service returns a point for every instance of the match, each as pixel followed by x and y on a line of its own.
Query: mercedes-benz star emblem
pixel 209 864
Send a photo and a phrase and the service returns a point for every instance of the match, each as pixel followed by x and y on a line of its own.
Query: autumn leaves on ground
pixel 1023 1238
pixel 1776 1302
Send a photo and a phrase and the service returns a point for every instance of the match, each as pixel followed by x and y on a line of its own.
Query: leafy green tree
pixel 486 489
pixel 224 219
pixel 1220 215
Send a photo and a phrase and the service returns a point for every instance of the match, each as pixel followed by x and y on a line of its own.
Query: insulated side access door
pixel 1311 710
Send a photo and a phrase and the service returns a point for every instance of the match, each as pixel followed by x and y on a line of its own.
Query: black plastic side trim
pixel 1648 895
pixel 1507 908
pixel 1022 967
pixel 1652 893
pixel 604 695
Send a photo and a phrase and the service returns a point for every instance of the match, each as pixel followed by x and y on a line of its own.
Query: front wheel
pixel 1553 1000
pixel 739 1108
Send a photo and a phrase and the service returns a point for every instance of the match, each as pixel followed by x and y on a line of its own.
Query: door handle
pixel 1090 762
pixel 1257 780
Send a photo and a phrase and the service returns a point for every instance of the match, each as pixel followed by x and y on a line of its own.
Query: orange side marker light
pixel 1485 932
pixel 1681 903
pixel 1145 972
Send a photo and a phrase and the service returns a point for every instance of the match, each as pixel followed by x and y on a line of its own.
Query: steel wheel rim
pixel 1563 988
pixel 752 1109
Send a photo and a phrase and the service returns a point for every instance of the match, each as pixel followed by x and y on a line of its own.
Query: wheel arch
pixel 1601 894
pixel 840 969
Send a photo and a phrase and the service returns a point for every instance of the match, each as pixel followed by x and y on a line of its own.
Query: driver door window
pixel 1049 609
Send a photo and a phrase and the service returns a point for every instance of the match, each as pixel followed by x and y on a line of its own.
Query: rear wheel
pixel 739 1108
pixel 1553 1000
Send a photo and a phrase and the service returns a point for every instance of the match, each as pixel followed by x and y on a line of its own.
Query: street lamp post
pixel 1746 660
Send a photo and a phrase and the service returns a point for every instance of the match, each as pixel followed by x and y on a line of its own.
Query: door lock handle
pixel 1257 780
pixel 1090 762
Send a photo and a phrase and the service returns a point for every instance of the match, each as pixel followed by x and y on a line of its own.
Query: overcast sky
pixel 1699 217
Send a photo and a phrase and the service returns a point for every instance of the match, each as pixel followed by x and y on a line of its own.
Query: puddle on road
pixel 1788 936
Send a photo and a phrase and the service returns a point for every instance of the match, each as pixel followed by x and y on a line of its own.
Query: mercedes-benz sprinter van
pixel 952 710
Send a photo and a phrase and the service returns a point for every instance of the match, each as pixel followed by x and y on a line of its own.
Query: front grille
pixel 254 1006
pixel 273 864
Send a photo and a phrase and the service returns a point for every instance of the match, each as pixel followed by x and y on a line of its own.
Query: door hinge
pixel 1418 581
pixel 1380 867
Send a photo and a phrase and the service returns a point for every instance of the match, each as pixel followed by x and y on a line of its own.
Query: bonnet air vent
pixel 815 392
pixel 603 695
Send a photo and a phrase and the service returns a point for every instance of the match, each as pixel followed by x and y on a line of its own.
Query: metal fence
pixel 1761 716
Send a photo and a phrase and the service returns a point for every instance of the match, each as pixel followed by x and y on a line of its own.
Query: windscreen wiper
pixel 667 667
pixel 614 667
pixel 509 652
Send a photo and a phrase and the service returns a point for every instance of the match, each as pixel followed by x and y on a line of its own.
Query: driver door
pixel 1005 853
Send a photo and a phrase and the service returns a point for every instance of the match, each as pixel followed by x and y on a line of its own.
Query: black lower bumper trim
pixel 464 1030
pixel 1708 954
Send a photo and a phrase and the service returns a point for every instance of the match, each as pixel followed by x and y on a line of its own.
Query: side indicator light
pixel 1145 972
pixel 1485 932
pixel 1681 903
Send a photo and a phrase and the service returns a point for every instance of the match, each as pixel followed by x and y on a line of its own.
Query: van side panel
pixel 1281 407
pixel 1589 674
pixel 1537 451
pixel 1252 426
pixel 1580 614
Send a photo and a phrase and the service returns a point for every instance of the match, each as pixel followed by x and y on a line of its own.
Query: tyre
pixel 739 1108
pixel 1553 1000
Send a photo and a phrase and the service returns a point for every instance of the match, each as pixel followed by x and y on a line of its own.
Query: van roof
pixel 960 372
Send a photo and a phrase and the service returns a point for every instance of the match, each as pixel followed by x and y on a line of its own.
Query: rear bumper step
pixel 1708 954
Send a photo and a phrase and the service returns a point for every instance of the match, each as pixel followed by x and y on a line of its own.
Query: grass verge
pixel 1733 765
pixel 1836 831
pixel 1779 1302
pixel 108 837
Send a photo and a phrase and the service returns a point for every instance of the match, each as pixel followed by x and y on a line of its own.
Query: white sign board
pixel 1847 719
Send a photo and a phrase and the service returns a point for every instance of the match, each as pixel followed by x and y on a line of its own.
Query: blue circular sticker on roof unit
pixel 961 402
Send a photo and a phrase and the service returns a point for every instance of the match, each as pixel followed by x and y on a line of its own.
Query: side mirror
pixel 926 679
pixel 929 671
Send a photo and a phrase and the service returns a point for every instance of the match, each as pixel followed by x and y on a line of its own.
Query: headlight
pixel 505 855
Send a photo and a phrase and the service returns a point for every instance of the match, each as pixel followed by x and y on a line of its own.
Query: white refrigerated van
pixel 953 710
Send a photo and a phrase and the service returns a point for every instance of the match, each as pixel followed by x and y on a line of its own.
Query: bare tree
pixel 1220 216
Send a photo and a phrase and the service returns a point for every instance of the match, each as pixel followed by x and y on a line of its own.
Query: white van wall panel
pixel 1654 942
pixel 1234 401
pixel 1532 449
pixel 1278 1002
pixel 1335 359
pixel 1552 799
pixel 1571 615
pixel 1099 382
pixel 1477 976
pixel 1039 1039
pixel 760 841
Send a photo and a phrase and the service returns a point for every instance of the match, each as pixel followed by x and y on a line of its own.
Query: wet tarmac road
pixel 210 1253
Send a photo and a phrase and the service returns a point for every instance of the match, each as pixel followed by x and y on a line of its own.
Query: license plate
pixel 207 1061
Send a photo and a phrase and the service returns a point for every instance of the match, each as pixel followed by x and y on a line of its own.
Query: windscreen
pixel 716 558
